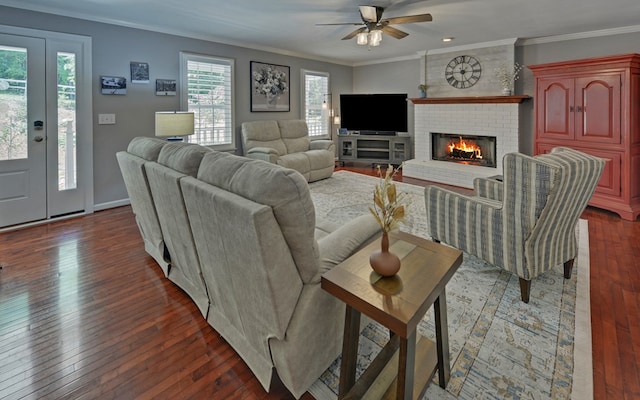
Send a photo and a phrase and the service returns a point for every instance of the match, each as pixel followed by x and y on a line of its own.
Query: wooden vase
pixel 384 262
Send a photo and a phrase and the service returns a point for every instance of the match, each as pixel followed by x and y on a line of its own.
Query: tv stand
pixel 375 149
pixel 379 133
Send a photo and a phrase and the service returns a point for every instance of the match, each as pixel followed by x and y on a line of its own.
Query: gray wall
pixel 404 76
pixel 391 77
pixel 114 47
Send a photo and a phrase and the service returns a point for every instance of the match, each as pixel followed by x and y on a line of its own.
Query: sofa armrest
pixel 346 240
pixel 320 144
pixel 489 188
pixel 264 153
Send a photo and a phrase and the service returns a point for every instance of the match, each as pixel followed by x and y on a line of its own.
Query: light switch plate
pixel 106 119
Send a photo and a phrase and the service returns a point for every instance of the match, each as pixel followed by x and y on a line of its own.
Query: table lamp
pixel 174 124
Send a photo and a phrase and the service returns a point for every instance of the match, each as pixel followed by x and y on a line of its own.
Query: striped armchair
pixel 524 224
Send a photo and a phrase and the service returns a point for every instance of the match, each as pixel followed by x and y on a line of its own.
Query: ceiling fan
pixel 375 26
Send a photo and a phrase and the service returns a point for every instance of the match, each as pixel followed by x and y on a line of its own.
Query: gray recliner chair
pixel 175 162
pixel 140 151
pixel 287 143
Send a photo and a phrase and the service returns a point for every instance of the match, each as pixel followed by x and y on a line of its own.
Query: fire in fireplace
pixel 464 149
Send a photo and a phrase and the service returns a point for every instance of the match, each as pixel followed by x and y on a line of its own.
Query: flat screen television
pixel 381 114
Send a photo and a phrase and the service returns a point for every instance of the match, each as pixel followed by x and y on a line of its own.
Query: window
pixel 317 107
pixel 206 89
pixel 66 120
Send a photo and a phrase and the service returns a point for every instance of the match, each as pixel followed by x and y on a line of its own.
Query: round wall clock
pixel 462 72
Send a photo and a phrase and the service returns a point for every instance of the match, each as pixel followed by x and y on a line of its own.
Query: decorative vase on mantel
pixel 506 91
pixel 384 262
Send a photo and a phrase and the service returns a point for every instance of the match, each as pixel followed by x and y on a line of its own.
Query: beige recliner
pixel 140 151
pixel 287 143
pixel 175 162
pixel 255 230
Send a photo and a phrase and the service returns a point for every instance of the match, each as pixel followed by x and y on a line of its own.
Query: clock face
pixel 462 72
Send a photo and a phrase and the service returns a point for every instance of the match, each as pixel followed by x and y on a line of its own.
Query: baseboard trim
pixel 111 204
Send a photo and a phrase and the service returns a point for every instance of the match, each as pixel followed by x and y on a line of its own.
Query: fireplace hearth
pixel 464 149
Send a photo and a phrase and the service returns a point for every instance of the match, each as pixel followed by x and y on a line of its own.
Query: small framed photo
pixel 113 85
pixel 139 72
pixel 165 87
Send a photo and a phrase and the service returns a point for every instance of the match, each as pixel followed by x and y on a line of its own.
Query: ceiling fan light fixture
pixel 362 38
pixel 375 37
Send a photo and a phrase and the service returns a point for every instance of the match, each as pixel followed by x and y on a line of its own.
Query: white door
pixel 23 146
pixel 46 146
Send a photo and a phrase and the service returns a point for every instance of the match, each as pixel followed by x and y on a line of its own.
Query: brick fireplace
pixel 487 118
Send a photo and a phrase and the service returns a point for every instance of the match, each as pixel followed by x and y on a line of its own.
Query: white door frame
pixel 84 96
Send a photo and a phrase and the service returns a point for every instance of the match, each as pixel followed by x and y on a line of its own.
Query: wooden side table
pixel 398 303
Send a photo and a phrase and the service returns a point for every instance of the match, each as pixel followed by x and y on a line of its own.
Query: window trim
pixel 303 100
pixel 185 57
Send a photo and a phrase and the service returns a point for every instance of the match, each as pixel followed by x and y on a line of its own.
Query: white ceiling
pixel 289 26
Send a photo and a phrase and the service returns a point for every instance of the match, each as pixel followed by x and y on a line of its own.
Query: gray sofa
pixel 259 251
pixel 287 143
pixel 140 151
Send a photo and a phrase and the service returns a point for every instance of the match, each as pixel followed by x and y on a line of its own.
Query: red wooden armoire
pixel 593 105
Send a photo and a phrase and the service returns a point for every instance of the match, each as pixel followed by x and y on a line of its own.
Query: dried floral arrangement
pixel 508 75
pixel 388 205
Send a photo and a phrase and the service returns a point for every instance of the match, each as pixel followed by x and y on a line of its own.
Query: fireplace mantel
pixel 471 100
pixel 498 116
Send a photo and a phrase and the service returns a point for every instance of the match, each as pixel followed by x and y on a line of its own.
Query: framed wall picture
pixel 270 89
pixel 165 87
pixel 113 85
pixel 139 72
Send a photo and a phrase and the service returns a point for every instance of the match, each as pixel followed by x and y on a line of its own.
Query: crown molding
pixel 580 35
pixel 504 42
pixel 386 60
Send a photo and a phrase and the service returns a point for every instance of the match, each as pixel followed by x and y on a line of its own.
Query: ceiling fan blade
pixel 396 33
pixel 371 13
pixel 341 23
pixel 409 19
pixel 354 33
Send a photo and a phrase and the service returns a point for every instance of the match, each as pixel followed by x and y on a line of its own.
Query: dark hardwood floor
pixel 85 313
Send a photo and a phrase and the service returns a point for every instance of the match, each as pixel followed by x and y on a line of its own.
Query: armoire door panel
pixel 597 111
pixel 555 112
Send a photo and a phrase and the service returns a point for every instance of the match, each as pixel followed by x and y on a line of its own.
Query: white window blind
pixel 317 103
pixel 207 91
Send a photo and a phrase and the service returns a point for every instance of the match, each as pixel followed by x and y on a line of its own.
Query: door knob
pixel 38 139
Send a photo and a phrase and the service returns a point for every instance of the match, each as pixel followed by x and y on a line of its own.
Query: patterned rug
pixel 501 348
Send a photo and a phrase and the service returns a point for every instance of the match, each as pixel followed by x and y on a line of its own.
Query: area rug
pixel 501 348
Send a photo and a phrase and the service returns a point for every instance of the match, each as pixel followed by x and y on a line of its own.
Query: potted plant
pixel 423 90
pixel 507 76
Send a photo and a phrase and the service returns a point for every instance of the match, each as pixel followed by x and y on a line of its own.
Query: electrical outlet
pixel 106 119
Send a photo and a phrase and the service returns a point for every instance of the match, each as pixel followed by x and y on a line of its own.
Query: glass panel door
pixel 22 130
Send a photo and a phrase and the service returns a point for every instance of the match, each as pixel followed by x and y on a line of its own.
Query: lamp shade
pixel 174 123
pixel 375 37
pixel 362 38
